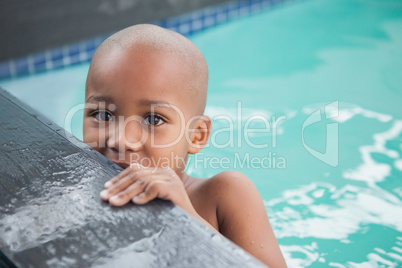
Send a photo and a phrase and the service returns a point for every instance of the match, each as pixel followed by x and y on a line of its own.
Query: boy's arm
pixel 243 219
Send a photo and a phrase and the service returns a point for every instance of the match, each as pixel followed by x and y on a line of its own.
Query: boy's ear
pixel 199 134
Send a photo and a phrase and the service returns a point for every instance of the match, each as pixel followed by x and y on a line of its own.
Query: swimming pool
pixel 272 71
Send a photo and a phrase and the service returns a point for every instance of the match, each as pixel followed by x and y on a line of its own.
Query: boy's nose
pixel 126 135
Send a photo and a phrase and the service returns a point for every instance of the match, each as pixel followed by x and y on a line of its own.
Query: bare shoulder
pixel 221 195
pixel 231 185
pixel 234 188
pixel 235 197
pixel 230 178
pixel 242 217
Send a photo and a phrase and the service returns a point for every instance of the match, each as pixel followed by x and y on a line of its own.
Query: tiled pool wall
pixel 186 25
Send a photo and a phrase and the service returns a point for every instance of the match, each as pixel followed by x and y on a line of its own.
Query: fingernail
pixel 107 184
pixel 114 198
pixel 135 199
pixel 104 194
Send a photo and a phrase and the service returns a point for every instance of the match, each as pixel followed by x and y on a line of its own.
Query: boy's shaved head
pixel 169 45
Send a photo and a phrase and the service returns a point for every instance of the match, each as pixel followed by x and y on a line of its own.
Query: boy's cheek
pixel 91 142
pixel 93 138
pixel 167 139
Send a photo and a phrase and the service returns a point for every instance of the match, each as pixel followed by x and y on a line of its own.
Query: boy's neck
pixel 188 182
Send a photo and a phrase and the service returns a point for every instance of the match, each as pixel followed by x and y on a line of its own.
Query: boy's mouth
pixel 122 164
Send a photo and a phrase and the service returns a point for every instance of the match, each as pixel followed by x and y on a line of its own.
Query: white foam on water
pixel 348 208
pixel 346 111
pixel 371 171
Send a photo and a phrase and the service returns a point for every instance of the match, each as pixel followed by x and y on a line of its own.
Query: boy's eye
pixel 103 116
pixel 153 120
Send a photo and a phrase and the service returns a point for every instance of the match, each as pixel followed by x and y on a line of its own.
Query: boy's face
pixel 137 108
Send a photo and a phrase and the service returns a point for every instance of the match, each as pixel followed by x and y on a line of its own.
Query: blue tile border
pixel 81 52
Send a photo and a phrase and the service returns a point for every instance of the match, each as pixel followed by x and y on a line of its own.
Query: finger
pixel 154 189
pixel 131 168
pixel 117 178
pixel 126 196
pixel 123 183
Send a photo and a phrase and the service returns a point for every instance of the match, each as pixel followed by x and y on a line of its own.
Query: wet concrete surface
pixel 51 214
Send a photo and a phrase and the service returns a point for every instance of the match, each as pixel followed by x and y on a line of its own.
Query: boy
pixel 145 97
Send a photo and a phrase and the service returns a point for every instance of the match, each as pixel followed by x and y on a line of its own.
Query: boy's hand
pixel 141 185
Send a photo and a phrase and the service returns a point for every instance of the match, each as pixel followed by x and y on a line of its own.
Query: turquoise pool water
pixel 271 71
